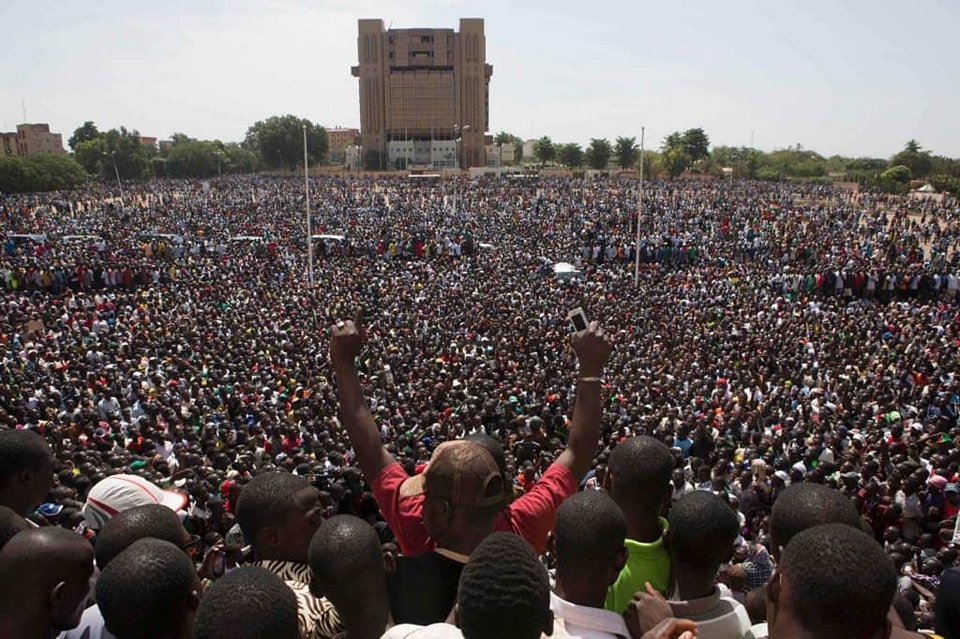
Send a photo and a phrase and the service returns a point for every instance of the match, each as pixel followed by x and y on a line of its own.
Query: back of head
pixel 702 531
pixel 346 560
pixel 38 561
pixel 464 474
pixel 589 534
pixel 492 446
pixel 640 469
pixel 504 591
pixel 803 506
pixel 837 582
pixel 150 590
pixel 120 532
pixel 23 451
pixel 267 500
pixel 10 524
pixel 247 603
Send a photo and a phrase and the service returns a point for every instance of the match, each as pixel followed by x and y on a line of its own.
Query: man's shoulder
pixel 433 631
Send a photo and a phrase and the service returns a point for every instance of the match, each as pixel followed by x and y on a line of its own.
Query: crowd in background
pixel 767 335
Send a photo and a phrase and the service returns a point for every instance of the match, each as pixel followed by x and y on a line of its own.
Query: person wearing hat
pixel 118 493
pixel 462 490
pixel 531 515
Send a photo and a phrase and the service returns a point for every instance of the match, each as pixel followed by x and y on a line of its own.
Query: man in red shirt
pixel 532 515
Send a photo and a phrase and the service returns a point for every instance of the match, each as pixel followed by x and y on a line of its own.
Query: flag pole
pixel 636 263
pixel 306 189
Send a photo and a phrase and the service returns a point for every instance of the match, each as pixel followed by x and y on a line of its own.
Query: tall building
pixel 424 94
pixel 36 138
pixel 338 139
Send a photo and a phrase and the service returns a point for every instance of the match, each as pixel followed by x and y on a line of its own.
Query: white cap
pixel 119 493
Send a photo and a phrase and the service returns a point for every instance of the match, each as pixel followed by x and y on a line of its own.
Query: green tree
pixel 626 151
pixel 44 172
pixel 193 158
pixel 89 154
pixel 123 147
pixel 545 150
pixel 239 159
pixel 279 141
pixel 88 131
pixel 868 165
pixel 696 144
pixel 899 173
pixel 598 153
pixel 570 155
pixel 673 154
pixel 914 158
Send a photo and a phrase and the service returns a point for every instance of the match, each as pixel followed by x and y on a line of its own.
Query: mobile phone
pixel 578 319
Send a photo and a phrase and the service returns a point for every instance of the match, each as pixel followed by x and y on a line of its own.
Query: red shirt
pixel 531 516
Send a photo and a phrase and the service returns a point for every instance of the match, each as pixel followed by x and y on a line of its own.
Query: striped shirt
pixel 316 617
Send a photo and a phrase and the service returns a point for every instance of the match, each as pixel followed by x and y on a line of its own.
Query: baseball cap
pixel 462 472
pixel 951 488
pixel 119 493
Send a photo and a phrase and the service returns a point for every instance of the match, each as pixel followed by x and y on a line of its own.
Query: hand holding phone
pixel 578 319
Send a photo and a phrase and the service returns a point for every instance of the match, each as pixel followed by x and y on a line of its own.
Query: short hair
pixel 10 524
pixel 803 506
pixel 840 580
pixel 702 530
pixel 641 468
pixel 345 548
pixel 504 590
pixel 22 450
pixel 143 588
pixel 150 521
pixel 267 500
pixel 589 532
pixel 493 447
pixel 247 603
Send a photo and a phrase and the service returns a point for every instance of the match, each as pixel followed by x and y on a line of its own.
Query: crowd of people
pixel 404 436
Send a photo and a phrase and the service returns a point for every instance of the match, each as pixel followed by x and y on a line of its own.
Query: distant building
pixel 423 91
pixel 338 139
pixel 529 149
pixel 31 139
pixel 147 141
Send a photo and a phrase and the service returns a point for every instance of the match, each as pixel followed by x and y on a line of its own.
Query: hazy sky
pixel 838 76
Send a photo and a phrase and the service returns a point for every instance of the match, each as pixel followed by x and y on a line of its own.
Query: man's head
pixel 804 506
pixel 152 521
pixel 26 470
pixel 833 581
pixel 504 591
pixel 462 489
pixel 149 591
pixel 589 539
pixel 44 580
pixel 278 514
pixel 10 524
pixel 349 569
pixel 702 531
pixel 247 603
pixel 118 493
pixel 638 475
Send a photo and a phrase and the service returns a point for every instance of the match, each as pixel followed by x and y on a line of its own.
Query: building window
pixel 426 39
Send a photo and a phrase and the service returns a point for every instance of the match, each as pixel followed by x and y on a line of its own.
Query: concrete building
pixel 425 89
pixel 529 149
pixel 31 139
pixel 338 139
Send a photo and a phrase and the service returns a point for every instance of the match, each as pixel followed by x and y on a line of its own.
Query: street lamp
pixel 219 155
pixel 116 172
pixel 458 131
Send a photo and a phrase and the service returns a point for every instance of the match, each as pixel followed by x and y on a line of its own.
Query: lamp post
pixel 219 155
pixel 458 132
pixel 116 171
pixel 306 191
pixel 636 264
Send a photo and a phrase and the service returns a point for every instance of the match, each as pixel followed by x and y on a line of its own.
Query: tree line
pixel 689 152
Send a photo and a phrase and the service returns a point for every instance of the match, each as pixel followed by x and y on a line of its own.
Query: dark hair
pixel 504 591
pixel 143 522
pixel 841 582
pixel 142 591
pixel 10 524
pixel 247 603
pixel 22 450
pixel 702 529
pixel 906 612
pixel 343 549
pixel 589 532
pixel 641 468
pixel 266 501
pixel 803 506
pixel 493 447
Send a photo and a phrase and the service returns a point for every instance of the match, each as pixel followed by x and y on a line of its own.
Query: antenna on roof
pixel 390 26
pixel 23 104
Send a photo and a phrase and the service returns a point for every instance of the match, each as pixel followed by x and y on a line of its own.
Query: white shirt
pixel 717 616
pixel 583 622
pixel 433 631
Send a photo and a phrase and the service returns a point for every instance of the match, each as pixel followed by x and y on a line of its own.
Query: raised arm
pixel 593 349
pixel 346 342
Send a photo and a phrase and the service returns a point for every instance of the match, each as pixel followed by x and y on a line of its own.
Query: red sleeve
pixel 532 515
pixel 404 515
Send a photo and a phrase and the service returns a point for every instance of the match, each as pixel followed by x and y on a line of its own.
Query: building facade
pixel 424 87
pixel 338 139
pixel 34 139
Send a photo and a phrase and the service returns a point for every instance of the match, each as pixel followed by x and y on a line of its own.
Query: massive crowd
pixel 772 349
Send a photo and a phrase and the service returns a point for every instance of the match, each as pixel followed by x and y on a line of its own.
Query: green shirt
pixel 645 562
